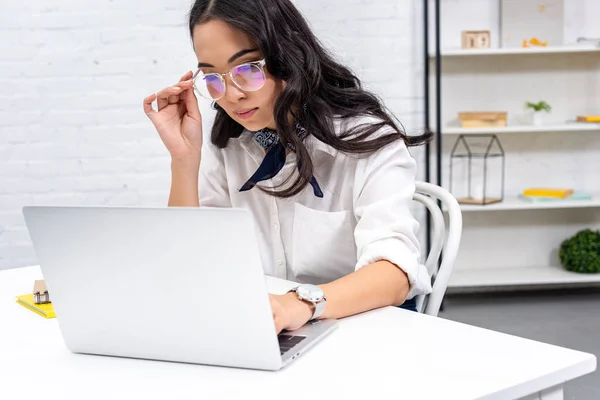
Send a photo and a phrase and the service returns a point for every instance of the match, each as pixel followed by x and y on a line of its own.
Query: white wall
pixel 581 19
pixel 458 15
pixel 468 15
pixel 72 130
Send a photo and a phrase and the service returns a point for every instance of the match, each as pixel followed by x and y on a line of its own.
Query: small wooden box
pixel 476 39
pixel 483 119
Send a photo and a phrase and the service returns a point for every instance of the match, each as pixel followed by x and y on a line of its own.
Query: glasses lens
pixel 248 76
pixel 210 86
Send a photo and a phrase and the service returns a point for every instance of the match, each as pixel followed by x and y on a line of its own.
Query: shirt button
pixel 280 262
pixel 275 225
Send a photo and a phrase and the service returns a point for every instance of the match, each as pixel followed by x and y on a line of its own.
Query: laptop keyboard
pixel 286 342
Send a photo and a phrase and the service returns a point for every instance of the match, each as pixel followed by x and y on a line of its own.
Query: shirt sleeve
pixel 212 182
pixel 386 229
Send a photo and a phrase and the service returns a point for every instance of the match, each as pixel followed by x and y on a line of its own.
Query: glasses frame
pixel 260 64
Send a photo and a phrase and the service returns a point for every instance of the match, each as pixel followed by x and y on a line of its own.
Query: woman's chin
pixel 252 125
pixel 254 122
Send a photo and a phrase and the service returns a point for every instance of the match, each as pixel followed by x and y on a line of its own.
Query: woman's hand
pixel 289 312
pixel 178 120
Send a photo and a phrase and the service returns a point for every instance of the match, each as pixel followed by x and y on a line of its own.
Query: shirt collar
pixel 249 144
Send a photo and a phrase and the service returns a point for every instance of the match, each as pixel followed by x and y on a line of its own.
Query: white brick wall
pixel 73 74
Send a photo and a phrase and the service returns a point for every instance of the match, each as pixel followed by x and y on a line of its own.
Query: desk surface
pixel 384 353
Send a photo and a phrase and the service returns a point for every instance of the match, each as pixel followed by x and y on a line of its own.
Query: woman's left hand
pixel 289 312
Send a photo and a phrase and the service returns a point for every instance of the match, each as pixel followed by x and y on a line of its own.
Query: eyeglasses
pixel 249 77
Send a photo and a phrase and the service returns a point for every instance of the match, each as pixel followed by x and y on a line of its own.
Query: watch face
pixel 311 293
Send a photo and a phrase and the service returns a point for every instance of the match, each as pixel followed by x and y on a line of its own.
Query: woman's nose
pixel 232 92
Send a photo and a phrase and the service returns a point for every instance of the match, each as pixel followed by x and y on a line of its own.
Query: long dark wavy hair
pixel 315 83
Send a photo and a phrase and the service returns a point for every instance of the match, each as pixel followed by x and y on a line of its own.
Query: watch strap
pixel 319 308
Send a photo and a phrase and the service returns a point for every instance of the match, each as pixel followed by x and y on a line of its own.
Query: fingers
pixel 191 103
pixel 181 91
pixel 171 95
pixel 163 96
pixel 189 97
pixel 273 303
pixel 277 311
pixel 181 109
pixel 187 76
pixel 278 326
pixel 148 105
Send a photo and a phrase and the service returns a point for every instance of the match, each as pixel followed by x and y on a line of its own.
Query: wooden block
pixel 483 40
pixel 469 40
pixel 483 123
pixel 483 119
pixel 476 39
pixel 472 201
pixel 483 115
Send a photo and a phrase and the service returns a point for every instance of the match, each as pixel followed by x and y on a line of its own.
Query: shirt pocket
pixel 324 248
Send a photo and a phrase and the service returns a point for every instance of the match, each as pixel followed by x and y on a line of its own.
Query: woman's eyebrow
pixel 234 57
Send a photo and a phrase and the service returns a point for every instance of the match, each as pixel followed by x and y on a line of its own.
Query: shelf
pixel 587 48
pixel 514 203
pixel 572 127
pixel 517 276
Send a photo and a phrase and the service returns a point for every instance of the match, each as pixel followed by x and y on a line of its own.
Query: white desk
pixel 388 353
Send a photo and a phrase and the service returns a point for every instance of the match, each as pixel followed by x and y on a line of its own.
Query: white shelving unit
pixel 570 127
pixel 517 277
pixel 515 203
pixel 584 48
pixel 514 244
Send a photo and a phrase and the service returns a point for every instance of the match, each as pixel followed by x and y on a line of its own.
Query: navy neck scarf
pixel 275 158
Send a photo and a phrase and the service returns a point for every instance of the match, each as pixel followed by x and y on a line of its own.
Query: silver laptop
pixel 172 284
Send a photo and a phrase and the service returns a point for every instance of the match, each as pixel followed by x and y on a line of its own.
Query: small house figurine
pixel 476 39
pixel 40 293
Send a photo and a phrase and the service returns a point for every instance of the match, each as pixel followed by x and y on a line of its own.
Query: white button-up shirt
pixel 363 217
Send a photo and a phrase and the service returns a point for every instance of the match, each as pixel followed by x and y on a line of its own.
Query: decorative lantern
pixel 477 167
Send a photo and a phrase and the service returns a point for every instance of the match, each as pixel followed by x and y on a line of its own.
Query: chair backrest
pixel 444 242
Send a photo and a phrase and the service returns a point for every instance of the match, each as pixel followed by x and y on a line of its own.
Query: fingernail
pixel 176 88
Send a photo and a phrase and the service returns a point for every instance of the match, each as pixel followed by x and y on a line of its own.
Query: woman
pixel 297 141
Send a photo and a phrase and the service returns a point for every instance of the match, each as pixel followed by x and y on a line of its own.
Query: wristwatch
pixel 314 296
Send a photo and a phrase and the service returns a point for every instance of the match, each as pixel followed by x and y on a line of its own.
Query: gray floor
pixel 564 318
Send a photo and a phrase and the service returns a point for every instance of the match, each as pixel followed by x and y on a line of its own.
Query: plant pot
pixel 538 118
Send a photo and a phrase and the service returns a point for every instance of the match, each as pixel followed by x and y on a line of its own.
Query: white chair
pixel 444 242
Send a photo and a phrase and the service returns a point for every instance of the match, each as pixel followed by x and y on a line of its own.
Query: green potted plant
pixel 538 109
pixel 581 252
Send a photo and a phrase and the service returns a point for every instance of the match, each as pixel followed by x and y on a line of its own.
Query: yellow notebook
pixel 588 118
pixel 548 192
pixel 45 310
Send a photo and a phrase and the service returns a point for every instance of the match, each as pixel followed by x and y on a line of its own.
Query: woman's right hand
pixel 178 120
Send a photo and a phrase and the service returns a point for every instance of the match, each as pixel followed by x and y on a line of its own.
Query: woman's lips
pixel 246 113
